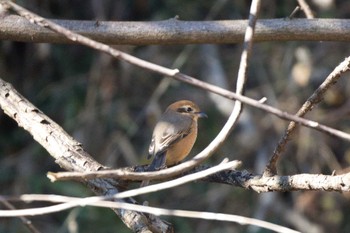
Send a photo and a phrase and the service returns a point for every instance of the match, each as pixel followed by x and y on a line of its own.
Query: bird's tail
pixel 158 162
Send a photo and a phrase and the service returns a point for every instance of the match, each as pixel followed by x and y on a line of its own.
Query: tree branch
pixel 338 183
pixel 309 104
pixel 174 31
pixel 244 179
pixel 68 153
pixel 25 221
pixel 306 8
pixel 70 202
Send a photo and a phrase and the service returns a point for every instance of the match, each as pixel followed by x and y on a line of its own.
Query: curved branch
pixel 70 202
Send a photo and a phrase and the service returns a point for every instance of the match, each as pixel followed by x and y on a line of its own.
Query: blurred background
pixel 111 107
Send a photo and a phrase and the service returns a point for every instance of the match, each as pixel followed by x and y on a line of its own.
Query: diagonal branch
pixel 25 221
pixel 310 103
pixel 68 153
pixel 306 8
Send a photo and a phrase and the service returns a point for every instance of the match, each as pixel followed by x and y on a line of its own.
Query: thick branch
pixel 174 31
pixel 339 183
pixel 68 153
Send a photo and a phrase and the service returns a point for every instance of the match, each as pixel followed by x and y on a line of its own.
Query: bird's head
pixel 188 108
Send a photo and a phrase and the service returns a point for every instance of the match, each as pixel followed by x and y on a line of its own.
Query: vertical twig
pixel 243 66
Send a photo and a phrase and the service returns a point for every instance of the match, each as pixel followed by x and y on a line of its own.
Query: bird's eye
pixel 185 109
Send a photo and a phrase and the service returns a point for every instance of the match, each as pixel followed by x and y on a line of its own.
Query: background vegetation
pixel 111 107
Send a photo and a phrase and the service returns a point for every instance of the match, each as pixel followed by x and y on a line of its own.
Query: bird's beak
pixel 201 115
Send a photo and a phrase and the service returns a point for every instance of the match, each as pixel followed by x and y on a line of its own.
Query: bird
pixel 174 134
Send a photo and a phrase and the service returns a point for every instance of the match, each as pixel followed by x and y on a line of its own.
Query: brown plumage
pixel 174 134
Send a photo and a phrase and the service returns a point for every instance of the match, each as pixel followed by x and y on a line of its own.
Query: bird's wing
pixel 169 137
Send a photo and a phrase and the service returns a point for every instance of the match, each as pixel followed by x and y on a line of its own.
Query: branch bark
pixel 174 31
pixel 338 183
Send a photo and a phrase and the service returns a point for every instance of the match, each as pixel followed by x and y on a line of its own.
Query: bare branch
pixel 68 153
pixel 178 181
pixel 310 103
pixel 258 183
pixel 243 65
pixel 306 8
pixel 244 179
pixel 123 173
pixel 174 31
pixel 70 202
pixel 26 222
pixel 296 10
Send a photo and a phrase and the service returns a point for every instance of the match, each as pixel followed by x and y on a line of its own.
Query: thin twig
pixel 178 181
pixel 124 174
pixel 243 65
pixel 296 10
pixel 70 202
pixel 26 222
pixel 306 8
pixel 310 103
